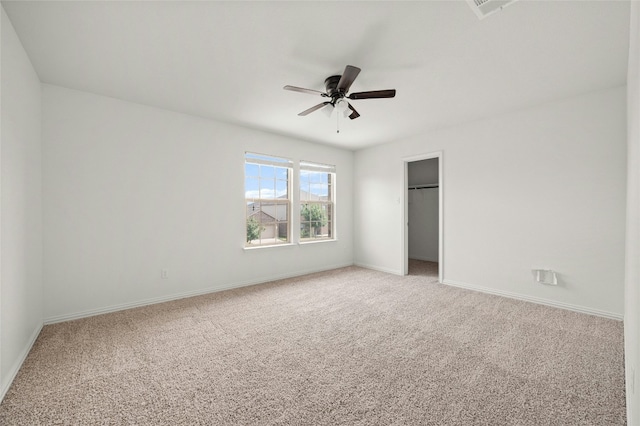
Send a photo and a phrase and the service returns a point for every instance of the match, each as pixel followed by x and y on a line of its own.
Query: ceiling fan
pixel 337 87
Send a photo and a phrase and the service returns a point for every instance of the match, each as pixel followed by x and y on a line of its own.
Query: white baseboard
pixel 538 300
pixel 120 307
pixel 6 382
pixel 379 268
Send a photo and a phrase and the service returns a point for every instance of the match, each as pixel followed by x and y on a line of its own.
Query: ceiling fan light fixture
pixel 342 106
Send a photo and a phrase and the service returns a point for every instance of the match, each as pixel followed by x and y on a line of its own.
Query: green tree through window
pixel 253 229
pixel 314 219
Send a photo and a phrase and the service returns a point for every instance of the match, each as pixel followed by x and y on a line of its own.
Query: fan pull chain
pixel 337 121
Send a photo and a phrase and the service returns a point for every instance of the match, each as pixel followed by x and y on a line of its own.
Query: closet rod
pixel 435 185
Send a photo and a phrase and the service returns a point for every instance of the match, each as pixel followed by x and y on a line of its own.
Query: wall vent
pixel 484 8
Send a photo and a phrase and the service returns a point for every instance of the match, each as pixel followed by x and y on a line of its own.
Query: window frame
pixel 327 205
pixel 265 160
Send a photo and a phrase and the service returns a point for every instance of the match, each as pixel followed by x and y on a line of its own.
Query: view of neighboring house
pixel 272 215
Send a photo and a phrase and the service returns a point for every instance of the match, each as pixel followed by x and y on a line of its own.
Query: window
pixel 317 210
pixel 267 196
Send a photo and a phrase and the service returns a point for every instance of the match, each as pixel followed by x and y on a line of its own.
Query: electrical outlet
pixel 164 274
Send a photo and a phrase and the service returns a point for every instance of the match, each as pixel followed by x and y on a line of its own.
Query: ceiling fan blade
pixel 373 94
pixel 303 90
pixel 348 76
pixel 314 108
pixel 354 114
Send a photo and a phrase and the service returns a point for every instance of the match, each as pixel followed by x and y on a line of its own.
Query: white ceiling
pixel 229 60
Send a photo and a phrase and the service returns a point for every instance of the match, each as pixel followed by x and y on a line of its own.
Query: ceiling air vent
pixel 484 8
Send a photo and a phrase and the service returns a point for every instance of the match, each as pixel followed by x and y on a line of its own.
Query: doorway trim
pixel 405 203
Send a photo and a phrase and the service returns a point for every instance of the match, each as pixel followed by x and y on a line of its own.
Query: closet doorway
pixel 423 216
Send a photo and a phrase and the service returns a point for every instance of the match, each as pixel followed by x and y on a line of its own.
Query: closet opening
pixel 423 254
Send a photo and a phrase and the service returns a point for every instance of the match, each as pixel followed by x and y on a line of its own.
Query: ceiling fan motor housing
pixel 331 84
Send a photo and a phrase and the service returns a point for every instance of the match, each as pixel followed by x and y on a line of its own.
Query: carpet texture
pixel 344 347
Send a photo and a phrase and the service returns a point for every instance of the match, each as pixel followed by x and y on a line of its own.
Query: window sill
pixel 304 243
pixel 268 246
pixel 301 243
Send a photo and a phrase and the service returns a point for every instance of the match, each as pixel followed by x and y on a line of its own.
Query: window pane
pixel 267 188
pixel 319 191
pixel 282 212
pixel 304 185
pixel 304 190
pixel 253 223
pixel 251 186
pixel 305 228
pixel 269 212
pixel 268 232
pixel 282 173
pixel 253 208
pixel 267 171
pixel 313 218
pixel 283 232
pixel 252 170
pixel 282 188
pixel 253 232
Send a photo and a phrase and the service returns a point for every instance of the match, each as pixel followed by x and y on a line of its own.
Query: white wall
pixel 21 206
pixel 542 187
pixel 632 279
pixel 130 190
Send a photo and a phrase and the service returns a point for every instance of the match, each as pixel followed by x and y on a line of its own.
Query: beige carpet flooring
pixel 345 347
